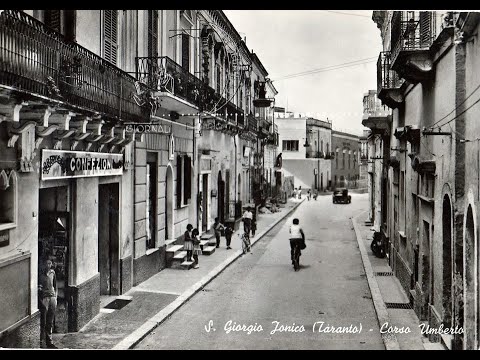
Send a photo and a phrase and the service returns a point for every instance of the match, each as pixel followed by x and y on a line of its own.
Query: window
pixel 110 35
pixel 152 42
pixel 8 200
pixel 184 180
pixel 152 199
pixel 186 51
pixel 218 76
pixel 62 21
pixel 343 161
pixel 290 145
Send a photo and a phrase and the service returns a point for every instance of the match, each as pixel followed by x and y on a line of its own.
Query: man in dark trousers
pixel 47 296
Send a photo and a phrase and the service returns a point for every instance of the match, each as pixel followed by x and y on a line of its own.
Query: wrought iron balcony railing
pixel 252 123
pixel 386 77
pixel 162 74
pixel 37 60
pixel 412 30
pixel 315 155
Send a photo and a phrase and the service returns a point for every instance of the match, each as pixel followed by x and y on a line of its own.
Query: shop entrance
pixel 204 202
pixel 53 244
pixel 108 239
pixel 221 198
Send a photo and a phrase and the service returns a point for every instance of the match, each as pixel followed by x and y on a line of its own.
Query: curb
pixel 389 339
pixel 139 334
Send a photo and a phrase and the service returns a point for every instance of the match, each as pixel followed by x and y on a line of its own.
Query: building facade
pixel 141 123
pixel 305 147
pixel 345 167
pixel 66 164
pixel 426 76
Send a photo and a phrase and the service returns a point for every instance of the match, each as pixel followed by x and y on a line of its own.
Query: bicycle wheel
pixel 244 245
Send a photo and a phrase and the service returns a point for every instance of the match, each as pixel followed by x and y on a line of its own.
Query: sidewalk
pixel 150 303
pixel 386 289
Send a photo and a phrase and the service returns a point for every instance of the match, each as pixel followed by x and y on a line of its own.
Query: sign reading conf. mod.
pixel 62 164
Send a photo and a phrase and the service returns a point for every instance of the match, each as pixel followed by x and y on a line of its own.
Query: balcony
pixel 174 86
pixel 180 91
pixel 272 139
pixel 413 32
pixel 388 82
pixel 40 63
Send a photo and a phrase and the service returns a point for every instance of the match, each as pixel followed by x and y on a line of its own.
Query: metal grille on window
pixel 110 35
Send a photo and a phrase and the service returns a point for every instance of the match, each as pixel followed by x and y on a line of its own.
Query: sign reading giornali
pixel 63 164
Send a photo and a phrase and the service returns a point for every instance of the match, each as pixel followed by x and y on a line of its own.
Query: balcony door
pixel 62 21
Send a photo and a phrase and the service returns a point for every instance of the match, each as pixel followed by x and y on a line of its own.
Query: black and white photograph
pixel 239 179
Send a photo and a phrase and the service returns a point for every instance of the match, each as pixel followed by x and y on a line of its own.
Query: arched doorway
pixel 221 198
pixel 470 286
pixel 447 261
pixel 169 204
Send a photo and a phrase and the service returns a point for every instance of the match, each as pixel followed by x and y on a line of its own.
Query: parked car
pixel 340 195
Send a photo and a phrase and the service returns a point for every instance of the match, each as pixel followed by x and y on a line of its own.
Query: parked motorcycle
pixel 377 246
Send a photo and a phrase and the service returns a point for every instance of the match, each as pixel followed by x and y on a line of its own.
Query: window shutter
pixel 110 35
pixel 152 33
pixel 179 181
pixel 53 19
pixel 425 28
pixel 186 51
pixel 188 178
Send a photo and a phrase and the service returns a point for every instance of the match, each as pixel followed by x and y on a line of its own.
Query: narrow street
pixel 262 289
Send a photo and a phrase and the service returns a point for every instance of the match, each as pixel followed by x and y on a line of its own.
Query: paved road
pixel 261 292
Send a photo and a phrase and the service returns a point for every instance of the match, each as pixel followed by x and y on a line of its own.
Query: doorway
pixel 108 239
pixel 204 202
pixel 169 204
pixel 221 198
pixel 53 244
pixel 447 261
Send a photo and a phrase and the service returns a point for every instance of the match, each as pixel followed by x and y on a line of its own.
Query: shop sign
pixel 64 164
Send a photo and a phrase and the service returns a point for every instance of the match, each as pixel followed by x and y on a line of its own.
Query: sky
pixel 293 41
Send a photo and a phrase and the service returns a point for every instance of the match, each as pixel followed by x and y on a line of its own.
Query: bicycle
pixel 246 245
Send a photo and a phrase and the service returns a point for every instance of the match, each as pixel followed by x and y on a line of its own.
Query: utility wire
pixel 351 14
pixel 443 118
pixel 463 112
pixel 328 68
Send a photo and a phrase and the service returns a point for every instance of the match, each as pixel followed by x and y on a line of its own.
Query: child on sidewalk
pixel 188 245
pixel 217 227
pixel 228 236
pixel 254 226
pixel 197 250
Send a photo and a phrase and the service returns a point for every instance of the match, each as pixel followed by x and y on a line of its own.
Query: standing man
pixel 247 221
pixel 47 295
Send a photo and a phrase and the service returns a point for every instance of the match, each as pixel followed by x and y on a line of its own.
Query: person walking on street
pixel 188 245
pixel 247 221
pixel 197 250
pixel 309 194
pixel 228 236
pixel 254 226
pixel 217 227
pixel 47 296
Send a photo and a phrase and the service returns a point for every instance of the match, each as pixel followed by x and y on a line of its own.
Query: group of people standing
pixel 192 241
pixel 192 245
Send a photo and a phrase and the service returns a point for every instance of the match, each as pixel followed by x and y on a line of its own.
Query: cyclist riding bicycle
pixel 297 238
